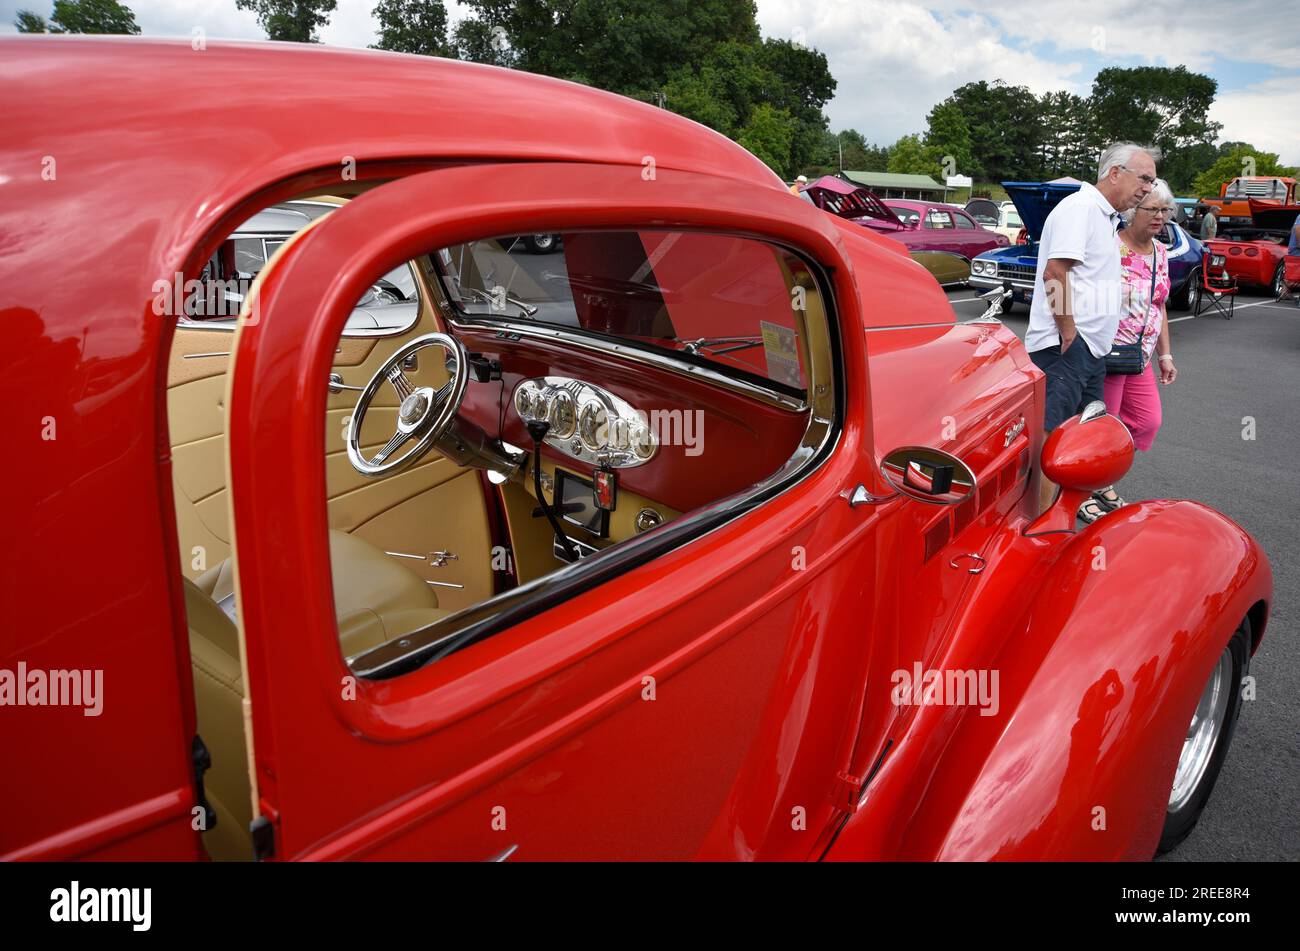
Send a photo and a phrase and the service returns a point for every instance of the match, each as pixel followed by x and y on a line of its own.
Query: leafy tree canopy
pixel 80 16
pixel 293 20
pixel 413 26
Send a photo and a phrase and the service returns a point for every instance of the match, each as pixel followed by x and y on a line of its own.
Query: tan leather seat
pixel 377 599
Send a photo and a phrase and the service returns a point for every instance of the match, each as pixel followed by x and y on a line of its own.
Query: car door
pixel 696 700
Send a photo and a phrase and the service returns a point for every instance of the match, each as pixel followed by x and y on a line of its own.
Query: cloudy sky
pixel 894 59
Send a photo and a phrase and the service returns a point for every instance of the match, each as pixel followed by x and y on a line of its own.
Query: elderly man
pixel 1076 305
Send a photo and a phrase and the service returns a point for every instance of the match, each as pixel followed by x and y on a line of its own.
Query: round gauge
pixel 643 441
pixel 526 400
pixel 564 414
pixel 593 426
pixel 542 404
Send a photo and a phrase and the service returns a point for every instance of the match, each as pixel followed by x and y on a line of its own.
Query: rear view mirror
pixel 928 475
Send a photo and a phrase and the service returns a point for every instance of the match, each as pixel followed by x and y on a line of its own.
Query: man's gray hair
pixel 1120 153
pixel 1160 195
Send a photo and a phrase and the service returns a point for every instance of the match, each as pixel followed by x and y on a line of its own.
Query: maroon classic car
pixel 942 238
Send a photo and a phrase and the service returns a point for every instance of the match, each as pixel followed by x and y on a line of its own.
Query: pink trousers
pixel 1136 401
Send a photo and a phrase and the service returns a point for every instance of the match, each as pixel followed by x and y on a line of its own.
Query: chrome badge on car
pixel 1014 430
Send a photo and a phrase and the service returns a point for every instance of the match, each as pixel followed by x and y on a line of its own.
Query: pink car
pixel 943 238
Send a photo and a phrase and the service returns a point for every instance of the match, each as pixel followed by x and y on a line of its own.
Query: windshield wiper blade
pixel 742 343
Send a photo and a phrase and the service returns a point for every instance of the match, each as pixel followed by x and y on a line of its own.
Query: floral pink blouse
pixel 1143 310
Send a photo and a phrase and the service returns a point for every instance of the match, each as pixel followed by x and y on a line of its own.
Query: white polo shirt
pixel 1081 228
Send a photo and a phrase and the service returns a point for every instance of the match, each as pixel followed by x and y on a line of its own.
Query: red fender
pixel 1098 672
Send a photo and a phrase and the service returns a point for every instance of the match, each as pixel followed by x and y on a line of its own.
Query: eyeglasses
pixel 1150 180
pixel 1154 212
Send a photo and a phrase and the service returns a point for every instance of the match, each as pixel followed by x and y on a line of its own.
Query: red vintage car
pixel 1255 254
pixel 707 536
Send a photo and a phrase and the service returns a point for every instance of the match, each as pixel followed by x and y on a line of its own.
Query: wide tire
pixel 1209 734
pixel 1184 298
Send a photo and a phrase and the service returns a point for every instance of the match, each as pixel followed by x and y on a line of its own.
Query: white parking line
pixel 1257 303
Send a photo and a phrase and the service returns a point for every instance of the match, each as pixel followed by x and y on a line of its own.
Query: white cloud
pixel 1267 115
pixel 894 60
pixel 1159 32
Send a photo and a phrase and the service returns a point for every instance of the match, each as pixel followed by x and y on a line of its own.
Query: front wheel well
pixel 1258 617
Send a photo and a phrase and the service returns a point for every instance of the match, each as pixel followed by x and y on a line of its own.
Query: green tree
pixel 81 16
pixel 1068 143
pixel 1005 124
pixel 948 137
pixel 768 134
pixel 413 26
pixel 1160 106
pixel 294 20
pixel 910 156
pixel 1240 159
pixel 28 22
pixel 703 59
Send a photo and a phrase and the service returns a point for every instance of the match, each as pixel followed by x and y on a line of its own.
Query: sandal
pixel 1091 510
pixel 1109 498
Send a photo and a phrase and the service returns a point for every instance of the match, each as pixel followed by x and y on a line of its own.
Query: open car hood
pixel 1273 217
pixel 850 201
pixel 1035 201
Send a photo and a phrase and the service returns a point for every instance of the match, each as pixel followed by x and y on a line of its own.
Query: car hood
pixel 1273 217
pixel 853 202
pixel 1035 201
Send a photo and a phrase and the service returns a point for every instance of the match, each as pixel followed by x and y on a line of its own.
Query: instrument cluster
pixel 588 423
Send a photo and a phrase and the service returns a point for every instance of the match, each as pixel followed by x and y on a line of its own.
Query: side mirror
pixel 1085 453
pixel 928 475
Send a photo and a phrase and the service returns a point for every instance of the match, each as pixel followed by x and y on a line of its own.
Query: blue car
pixel 1019 262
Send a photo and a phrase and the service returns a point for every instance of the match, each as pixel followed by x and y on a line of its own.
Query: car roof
pixel 248 140
pixel 275 220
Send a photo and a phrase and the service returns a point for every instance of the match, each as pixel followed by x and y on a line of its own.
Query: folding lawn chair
pixel 1216 285
pixel 1291 278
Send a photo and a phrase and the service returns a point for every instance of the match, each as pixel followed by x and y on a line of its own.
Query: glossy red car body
pixel 1254 255
pixel 774 735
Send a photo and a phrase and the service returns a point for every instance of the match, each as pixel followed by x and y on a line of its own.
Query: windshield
pixel 718 299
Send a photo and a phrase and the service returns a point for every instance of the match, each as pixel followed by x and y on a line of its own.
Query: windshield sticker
pixel 782 353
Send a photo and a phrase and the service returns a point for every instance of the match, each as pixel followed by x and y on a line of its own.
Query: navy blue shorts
pixel 1073 380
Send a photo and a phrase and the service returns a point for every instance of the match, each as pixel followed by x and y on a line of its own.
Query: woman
pixel 1144 270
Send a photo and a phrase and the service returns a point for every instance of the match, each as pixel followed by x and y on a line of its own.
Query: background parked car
pixel 1254 253
pixel 944 238
pixel 1019 264
pixel 941 238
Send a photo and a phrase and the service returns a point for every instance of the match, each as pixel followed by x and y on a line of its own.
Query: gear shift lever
pixel 537 429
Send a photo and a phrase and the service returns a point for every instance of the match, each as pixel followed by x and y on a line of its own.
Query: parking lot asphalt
pixel 1232 374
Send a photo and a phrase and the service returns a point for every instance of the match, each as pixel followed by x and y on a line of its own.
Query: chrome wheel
pixel 1279 282
pixel 1203 732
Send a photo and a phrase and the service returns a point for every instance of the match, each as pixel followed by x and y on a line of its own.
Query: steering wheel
pixel 425 414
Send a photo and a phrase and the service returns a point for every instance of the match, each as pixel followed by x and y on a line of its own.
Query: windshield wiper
pixel 709 343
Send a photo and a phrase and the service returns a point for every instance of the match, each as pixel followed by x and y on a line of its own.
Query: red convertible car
pixel 1255 254
pixel 708 535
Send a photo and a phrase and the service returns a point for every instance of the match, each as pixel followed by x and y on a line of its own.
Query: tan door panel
pixel 449 517
pixel 348 511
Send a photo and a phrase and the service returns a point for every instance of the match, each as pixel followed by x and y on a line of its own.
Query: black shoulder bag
pixel 1128 359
